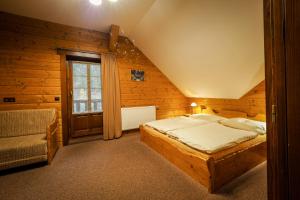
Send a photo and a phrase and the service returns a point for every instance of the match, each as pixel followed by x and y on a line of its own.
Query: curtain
pixel 111 97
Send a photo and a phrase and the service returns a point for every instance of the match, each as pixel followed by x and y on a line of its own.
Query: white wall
pixel 207 48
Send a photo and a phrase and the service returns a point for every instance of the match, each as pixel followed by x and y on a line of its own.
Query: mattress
pixel 211 137
pixel 170 124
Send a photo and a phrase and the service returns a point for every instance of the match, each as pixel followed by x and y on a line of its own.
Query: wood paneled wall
pixel 30 70
pixel 252 103
pixel 155 90
pixel 30 67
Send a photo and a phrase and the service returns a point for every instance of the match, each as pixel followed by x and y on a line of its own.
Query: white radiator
pixel 133 117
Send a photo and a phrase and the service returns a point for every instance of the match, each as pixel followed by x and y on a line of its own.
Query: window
pixel 86 87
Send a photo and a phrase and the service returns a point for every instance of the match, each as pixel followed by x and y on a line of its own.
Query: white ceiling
pixel 207 48
pixel 81 13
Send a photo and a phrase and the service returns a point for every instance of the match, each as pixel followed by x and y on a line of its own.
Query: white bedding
pixel 246 124
pixel 211 137
pixel 165 125
pixel 208 117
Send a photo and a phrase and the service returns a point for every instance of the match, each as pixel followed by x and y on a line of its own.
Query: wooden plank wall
pixel 30 67
pixel 252 103
pixel 155 90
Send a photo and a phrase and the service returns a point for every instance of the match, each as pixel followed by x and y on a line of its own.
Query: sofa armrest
pixel 52 138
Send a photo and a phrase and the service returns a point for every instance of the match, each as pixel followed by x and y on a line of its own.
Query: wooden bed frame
pixel 211 170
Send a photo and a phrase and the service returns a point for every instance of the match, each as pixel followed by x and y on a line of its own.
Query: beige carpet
pixel 120 169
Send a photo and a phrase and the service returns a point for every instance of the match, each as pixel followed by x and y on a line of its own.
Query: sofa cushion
pixel 22 147
pixel 25 122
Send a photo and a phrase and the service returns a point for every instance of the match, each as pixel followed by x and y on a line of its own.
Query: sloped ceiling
pixel 207 48
pixel 80 13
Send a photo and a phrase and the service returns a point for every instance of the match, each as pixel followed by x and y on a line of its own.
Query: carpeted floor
pixel 120 169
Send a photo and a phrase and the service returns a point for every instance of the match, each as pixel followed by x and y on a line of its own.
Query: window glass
pixel 79 69
pixel 95 82
pixel 95 94
pixel 87 93
pixel 80 94
pixel 96 106
pixel 95 70
pixel 80 82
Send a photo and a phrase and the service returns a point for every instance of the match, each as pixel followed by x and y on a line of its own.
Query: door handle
pixel 273 113
pixel 71 93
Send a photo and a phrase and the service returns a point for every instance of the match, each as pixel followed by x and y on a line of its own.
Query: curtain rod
pixel 80 51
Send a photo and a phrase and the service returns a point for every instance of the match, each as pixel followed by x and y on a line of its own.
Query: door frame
pixel 275 26
pixel 66 54
pixel 72 115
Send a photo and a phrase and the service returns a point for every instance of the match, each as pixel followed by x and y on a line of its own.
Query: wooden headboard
pixel 258 117
pixel 231 113
pixel 234 114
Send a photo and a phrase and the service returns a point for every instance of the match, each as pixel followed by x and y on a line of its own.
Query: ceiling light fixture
pixel 113 0
pixel 96 2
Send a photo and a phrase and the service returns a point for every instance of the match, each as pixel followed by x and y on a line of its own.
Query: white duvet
pixel 165 125
pixel 208 117
pixel 211 137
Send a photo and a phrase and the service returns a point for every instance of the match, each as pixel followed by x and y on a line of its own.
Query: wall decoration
pixel 137 75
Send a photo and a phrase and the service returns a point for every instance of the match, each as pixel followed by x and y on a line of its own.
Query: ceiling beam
pixel 113 37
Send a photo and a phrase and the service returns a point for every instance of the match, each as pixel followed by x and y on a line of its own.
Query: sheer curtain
pixel 111 97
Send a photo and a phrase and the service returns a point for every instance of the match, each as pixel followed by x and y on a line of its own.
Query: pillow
pixel 207 117
pixel 245 124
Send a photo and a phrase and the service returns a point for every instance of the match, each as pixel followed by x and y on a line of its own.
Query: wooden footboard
pixel 204 168
pixel 52 140
pixel 195 164
pixel 236 164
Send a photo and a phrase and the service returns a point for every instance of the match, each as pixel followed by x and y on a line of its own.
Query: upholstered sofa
pixel 27 137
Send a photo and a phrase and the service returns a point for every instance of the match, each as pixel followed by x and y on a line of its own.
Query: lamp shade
pixel 193 104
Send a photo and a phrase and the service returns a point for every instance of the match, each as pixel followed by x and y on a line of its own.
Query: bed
pixel 211 169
